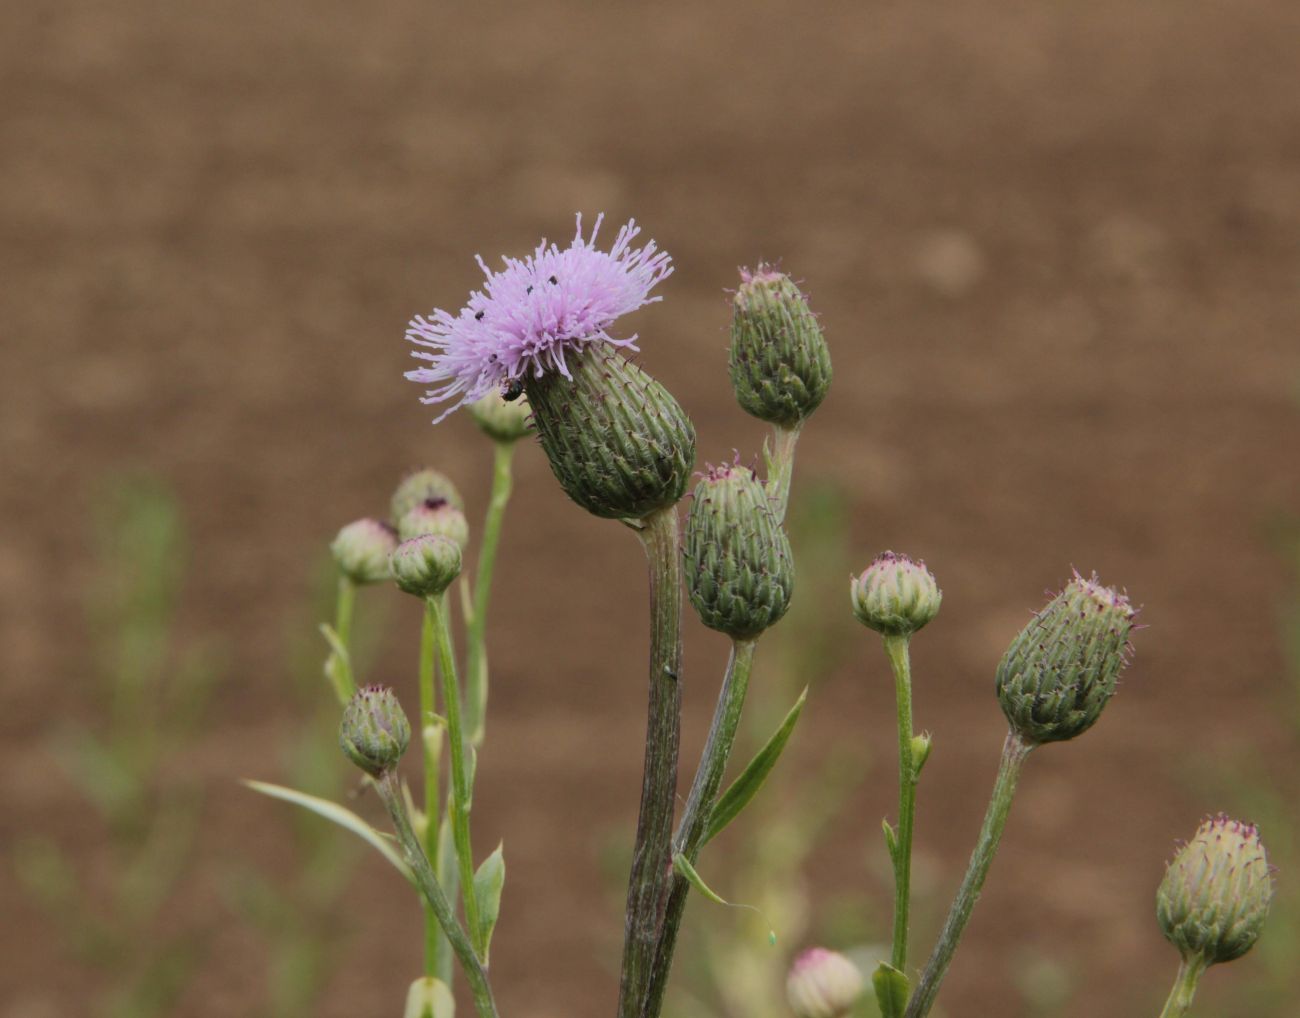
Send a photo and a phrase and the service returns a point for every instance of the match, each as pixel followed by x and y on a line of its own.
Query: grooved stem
pixel 651 854
pixel 699 809
pixel 476 672
pixel 433 935
pixel 1014 751
pixel 896 649
pixel 475 973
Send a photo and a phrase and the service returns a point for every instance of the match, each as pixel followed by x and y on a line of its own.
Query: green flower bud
pixel 1061 670
pixel 426 566
pixel 502 420
pixel 921 745
pixel 434 516
pixel 739 570
pixel 361 550
pixel 374 732
pixel 895 596
pixel 617 441
pixel 422 486
pixel 823 984
pixel 780 365
pixel 1215 894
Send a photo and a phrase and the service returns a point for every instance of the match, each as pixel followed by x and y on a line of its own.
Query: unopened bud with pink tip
pixel 823 984
pixel 896 596
pixel 361 550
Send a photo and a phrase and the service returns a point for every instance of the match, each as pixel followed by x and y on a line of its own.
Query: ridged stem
pixel 475 973
pixel 345 600
pixel 699 809
pixel 433 935
pixel 780 467
pixel 1014 751
pixel 1184 988
pixel 896 648
pixel 476 672
pixel 651 854
pixel 461 792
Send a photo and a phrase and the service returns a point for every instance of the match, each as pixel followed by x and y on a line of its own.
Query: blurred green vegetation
pixel 150 690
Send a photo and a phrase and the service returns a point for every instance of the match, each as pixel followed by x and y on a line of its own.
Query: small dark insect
pixel 478 315
pixel 529 290
pixel 513 390
pixel 553 281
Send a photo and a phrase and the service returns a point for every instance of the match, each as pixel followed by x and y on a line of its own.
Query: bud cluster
pixel 1063 668
pixel 739 569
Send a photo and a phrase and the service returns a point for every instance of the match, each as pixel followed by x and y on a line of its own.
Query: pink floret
pixel 534 312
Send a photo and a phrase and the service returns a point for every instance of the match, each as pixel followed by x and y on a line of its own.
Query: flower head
pixel 534 312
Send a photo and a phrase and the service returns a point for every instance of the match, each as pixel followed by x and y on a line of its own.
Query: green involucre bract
pixel 780 364
pixel 739 569
pixel 374 732
pixel 1063 667
pixel 617 441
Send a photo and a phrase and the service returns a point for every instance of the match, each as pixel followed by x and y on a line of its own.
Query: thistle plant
pixel 535 351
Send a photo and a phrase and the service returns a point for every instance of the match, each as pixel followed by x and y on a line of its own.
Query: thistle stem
pixel 651 854
pixel 476 674
pixel 344 683
pixel 896 648
pixel 1014 751
pixel 1184 988
pixel 699 809
pixel 461 790
pixel 475 973
pixel 780 467
pixel 432 931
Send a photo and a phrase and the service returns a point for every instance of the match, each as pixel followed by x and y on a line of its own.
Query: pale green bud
pixel 1064 666
pixel 426 566
pixel 617 441
pixel 374 732
pixel 1215 894
pixel 780 364
pixel 895 596
pixel 361 550
pixel 739 570
pixel 501 419
pixel 823 984
pixel 434 516
pixel 921 745
pixel 422 486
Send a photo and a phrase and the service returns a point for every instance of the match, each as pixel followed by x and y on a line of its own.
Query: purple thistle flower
pixel 534 312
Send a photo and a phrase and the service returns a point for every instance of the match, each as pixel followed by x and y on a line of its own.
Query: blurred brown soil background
pixel 1054 247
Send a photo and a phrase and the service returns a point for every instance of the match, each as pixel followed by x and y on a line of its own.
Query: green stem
pixel 1014 751
pixel 462 793
pixel 780 467
pixel 699 808
pixel 345 683
pixel 1184 989
pixel 476 674
pixel 433 936
pixel 896 649
pixel 475 973
pixel 651 854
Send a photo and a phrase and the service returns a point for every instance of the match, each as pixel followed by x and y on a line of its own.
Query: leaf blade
pixel 488 882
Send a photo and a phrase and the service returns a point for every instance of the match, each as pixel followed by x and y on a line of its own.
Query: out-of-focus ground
pixel 1054 247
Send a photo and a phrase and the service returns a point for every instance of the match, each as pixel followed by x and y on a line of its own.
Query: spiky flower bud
pixel 502 420
pixel 426 566
pixel 374 732
pixel 434 516
pixel 361 550
pixel 895 596
pixel 780 365
pixel 739 570
pixel 822 984
pixel 1215 895
pixel 422 486
pixel 1061 670
pixel 617 441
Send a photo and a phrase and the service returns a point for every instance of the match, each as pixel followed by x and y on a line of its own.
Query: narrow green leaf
pixel 488 881
pixel 891 990
pixel 345 818
pixel 688 872
pixel 751 779
pixel 891 840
